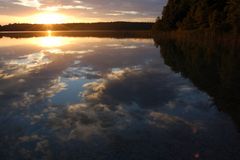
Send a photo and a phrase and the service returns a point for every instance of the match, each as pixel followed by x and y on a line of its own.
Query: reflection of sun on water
pixel 51 41
pixel 49 33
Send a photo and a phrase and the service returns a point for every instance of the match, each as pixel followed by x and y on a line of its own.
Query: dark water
pixel 117 99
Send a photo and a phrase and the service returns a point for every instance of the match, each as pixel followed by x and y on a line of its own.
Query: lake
pixel 115 98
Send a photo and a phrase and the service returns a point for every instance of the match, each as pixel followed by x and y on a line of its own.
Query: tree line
pixel 78 26
pixel 212 15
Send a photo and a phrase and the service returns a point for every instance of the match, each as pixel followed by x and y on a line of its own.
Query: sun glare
pixel 49 18
pixel 50 41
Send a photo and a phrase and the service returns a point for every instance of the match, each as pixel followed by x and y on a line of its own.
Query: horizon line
pixel 78 22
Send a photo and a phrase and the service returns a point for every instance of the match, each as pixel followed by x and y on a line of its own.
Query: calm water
pixel 117 99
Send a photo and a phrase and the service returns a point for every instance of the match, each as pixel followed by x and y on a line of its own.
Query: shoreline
pixel 80 33
pixel 200 37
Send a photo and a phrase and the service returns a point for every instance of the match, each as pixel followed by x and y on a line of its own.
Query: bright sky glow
pixel 67 11
pixel 49 18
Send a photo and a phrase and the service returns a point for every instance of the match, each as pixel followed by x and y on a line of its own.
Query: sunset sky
pixel 66 11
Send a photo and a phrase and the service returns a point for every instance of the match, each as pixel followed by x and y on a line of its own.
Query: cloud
pixel 120 13
pixel 28 3
pixel 50 5
pixel 104 10
pixel 66 7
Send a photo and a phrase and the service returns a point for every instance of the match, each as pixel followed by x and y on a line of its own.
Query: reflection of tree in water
pixel 212 68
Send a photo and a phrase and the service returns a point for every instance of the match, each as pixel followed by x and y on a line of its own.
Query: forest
pixel 211 15
pixel 78 26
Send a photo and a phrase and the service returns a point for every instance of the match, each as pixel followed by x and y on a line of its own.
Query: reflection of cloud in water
pixel 115 45
pixel 59 51
pixel 130 47
pixel 105 112
pixel 86 121
pixel 105 59
pixel 28 98
pixel 39 145
pixel 163 120
pixel 122 46
pixel 33 62
pixel 83 72
pixel 53 89
pixel 33 77
pixel 145 87
pixel 24 64
pixel 130 101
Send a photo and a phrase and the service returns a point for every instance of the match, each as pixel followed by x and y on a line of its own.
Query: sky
pixel 68 11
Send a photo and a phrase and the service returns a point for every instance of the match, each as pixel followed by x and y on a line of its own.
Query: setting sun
pixel 49 18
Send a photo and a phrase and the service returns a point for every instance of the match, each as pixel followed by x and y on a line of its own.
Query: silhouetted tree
pixel 214 15
pixel 233 15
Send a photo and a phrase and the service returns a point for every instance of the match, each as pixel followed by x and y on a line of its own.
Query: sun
pixel 49 18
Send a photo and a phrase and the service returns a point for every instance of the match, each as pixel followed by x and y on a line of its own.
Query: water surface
pixel 106 98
